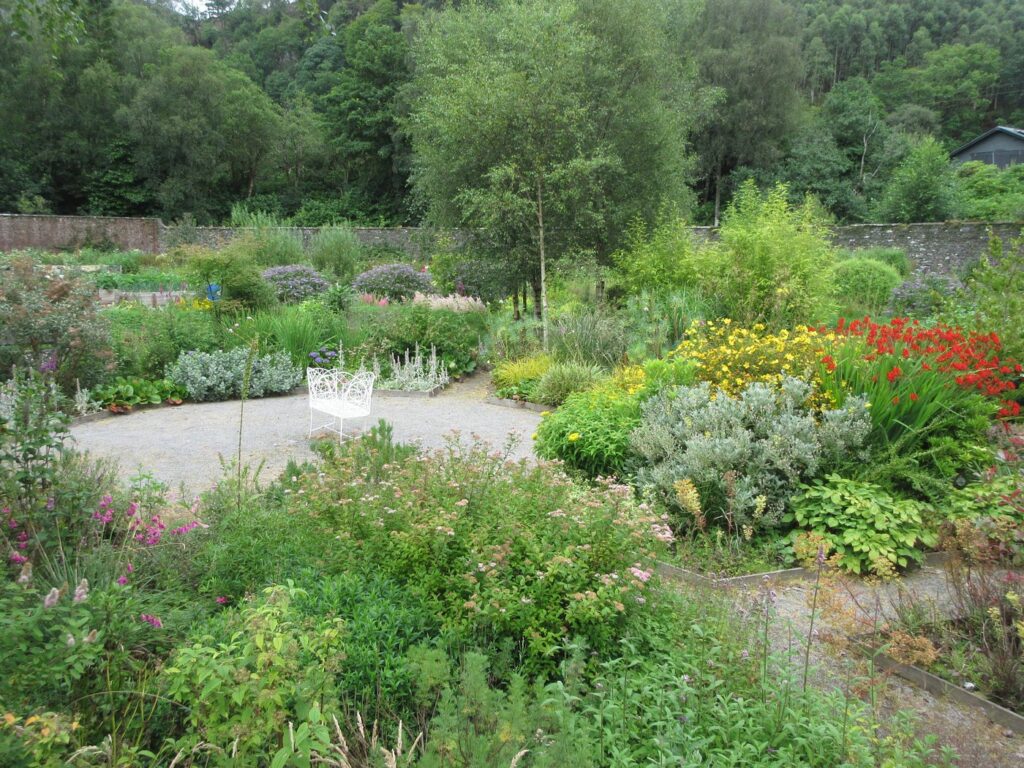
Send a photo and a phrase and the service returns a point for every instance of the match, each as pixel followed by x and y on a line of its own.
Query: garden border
pixel 521 404
pixel 937 686
pixel 784 576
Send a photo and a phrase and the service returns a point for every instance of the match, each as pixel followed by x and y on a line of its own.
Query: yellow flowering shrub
pixel 629 378
pixel 730 356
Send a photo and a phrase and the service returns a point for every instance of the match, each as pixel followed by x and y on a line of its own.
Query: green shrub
pixel 246 673
pixel 590 431
pixel 657 323
pixel 487 279
pixel 864 285
pixel 661 262
pixel 868 529
pixel 513 339
pixel 922 188
pixel 589 338
pixel 220 375
pixel 517 379
pixel 562 379
pixel 773 261
pixel 147 340
pixel 511 556
pixel 235 271
pixel 336 251
pixel 339 297
pixel 992 298
pixel 51 324
pixel 383 623
pixel 744 456
pixel 396 282
pixel 274 247
pixel 455 335
pixel 990 193
pixel 894 257
pixel 293 283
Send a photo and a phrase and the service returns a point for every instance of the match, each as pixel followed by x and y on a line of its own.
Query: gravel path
pixel 978 742
pixel 182 446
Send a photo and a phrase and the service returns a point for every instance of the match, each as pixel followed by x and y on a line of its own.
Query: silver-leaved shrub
pixel 220 375
pixel 745 456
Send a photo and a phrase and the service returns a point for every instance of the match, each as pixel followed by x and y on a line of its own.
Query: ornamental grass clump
pixel 295 282
pixel 746 455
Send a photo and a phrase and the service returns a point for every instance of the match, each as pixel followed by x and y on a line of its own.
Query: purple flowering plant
pixel 295 282
pixel 395 282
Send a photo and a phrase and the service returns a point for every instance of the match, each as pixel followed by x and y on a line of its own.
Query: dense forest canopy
pixel 300 109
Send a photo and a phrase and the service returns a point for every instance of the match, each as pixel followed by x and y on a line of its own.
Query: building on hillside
pixel 1002 146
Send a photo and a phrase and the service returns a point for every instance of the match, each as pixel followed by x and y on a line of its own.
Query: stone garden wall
pixel 60 232
pixel 940 248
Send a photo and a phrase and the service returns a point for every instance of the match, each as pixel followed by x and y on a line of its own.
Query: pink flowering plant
pixel 504 551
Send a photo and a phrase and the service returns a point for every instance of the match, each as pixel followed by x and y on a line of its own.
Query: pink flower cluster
pixel 187 527
pixel 151 620
pixel 104 514
pixel 21 539
pixel 640 573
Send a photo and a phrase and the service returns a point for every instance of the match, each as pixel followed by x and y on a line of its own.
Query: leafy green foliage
pixel 773 262
pixel 233 269
pixel 893 257
pixel 123 393
pixel 590 338
pixel 147 340
pixel 563 379
pixel 455 335
pixel 870 530
pixel 336 251
pixel 51 324
pixel 863 286
pixel 590 431
pixel 513 556
pixel 517 379
pixel 660 262
pixel 990 193
pixel 247 672
pixel 922 188
pixel 993 296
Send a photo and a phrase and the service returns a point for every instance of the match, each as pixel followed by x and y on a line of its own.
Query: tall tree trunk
pixel 718 191
pixel 535 285
pixel 543 267
pixel 515 305
pixel 599 291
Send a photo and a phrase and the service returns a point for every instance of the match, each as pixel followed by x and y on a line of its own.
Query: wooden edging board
pixel 937 686
pixel 933 559
pixel 521 404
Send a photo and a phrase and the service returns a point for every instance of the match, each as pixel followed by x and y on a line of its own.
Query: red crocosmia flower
pixel 913 396
pixel 896 400
pixel 830 363
pixel 894 374
pixel 906 353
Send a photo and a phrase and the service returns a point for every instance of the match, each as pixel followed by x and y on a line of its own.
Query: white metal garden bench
pixel 338 395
